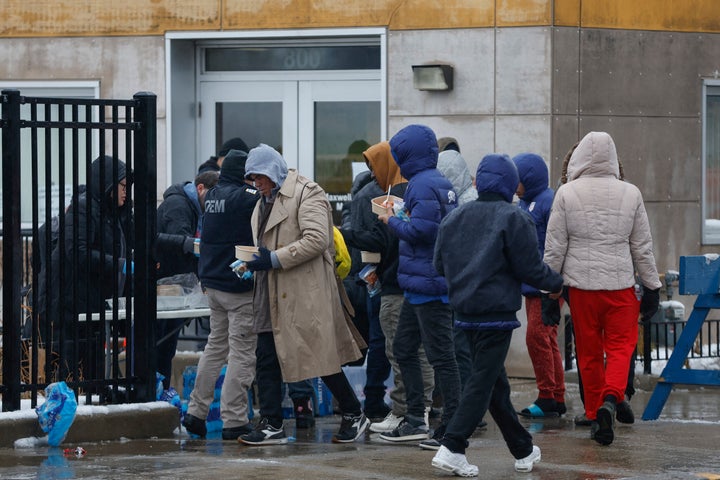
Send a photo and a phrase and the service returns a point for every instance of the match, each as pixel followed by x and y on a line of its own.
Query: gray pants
pixel 389 313
pixel 231 341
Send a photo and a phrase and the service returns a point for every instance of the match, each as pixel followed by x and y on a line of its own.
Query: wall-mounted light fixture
pixel 438 77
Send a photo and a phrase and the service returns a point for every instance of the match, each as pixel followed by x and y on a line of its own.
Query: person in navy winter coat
pixel 486 249
pixel 541 337
pixel 226 223
pixel 425 316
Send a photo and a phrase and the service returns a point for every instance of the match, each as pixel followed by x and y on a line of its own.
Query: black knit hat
pixel 233 167
pixel 236 143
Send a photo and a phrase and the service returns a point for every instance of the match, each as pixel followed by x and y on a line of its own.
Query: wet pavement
pixel 683 443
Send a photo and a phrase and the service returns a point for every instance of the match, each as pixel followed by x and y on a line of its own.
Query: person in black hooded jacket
pixel 179 223
pixel 103 217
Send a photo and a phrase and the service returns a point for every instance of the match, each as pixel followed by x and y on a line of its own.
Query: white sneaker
pixel 454 462
pixel 389 424
pixel 526 464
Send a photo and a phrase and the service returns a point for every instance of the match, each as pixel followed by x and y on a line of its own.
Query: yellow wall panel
pixel 39 18
pixel 31 18
pixel 566 13
pixel 395 14
pixel 524 12
pixel 663 15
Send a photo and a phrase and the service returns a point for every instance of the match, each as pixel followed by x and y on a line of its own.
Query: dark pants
pixel 488 389
pixel 301 390
pixel 269 383
pixel 378 366
pixel 168 333
pixel 463 357
pixel 430 324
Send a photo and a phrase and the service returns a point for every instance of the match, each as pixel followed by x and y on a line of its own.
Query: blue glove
pixel 132 267
pixel 262 261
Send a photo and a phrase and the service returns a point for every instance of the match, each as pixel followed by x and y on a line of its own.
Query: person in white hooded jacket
pixel 598 236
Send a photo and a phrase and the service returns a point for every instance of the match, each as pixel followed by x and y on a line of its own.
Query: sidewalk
pixel 682 444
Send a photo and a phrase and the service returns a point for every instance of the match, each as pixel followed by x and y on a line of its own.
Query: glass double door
pixel 320 127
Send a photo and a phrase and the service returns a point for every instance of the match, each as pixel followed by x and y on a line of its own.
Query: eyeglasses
pixel 123 185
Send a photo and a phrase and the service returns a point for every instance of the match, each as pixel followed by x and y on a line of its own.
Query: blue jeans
pixel 378 366
pixel 488 389
pixel 301 389
pixel 431 325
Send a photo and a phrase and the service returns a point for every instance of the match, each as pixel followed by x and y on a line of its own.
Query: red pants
pixel 606 333
pixel 542 345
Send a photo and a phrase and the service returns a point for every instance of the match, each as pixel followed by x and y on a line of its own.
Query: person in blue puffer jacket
pixel 425 316
pixel 541 337
pixel 486 249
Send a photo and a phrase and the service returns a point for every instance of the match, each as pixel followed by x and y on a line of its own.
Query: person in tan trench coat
pixel 302 329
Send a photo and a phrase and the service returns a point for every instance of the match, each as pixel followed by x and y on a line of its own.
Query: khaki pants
pixel 231 341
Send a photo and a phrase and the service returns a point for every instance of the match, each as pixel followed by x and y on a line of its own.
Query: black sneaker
pixel 603 433
pixel 406 432
pixel 351 428
pixel 434 442
pixel 264 434
pixel 624 412
pixel 304 417
pixel 234 432
pixel 194 425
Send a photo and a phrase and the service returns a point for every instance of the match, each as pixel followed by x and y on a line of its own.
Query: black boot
pixel 304 417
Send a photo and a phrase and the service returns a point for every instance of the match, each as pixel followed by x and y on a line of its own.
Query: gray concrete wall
pixel 124 66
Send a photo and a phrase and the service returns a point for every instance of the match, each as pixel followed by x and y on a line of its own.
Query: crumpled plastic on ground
pixel 56 415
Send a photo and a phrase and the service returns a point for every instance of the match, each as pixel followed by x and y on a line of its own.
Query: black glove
pixel 188 245
pixel 550 310
pixel 649 303
pixel 262 261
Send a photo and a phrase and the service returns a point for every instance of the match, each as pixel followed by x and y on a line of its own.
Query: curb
pixel 97 423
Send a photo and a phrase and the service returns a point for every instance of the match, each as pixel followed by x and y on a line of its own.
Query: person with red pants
pixel 598 235
pixel 541 336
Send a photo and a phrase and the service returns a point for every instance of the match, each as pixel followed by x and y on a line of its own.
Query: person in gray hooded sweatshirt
pixel 302 329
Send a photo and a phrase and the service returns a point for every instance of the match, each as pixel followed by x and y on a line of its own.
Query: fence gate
pixel 68 239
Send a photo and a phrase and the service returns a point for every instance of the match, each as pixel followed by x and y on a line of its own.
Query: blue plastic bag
pixel 56 415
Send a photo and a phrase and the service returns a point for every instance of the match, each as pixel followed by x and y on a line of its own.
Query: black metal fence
pixel 54 326
pixel 657 341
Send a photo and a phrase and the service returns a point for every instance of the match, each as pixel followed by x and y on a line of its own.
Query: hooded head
pixel 595 156
pixel 454 167
pixel 265 160
pixel 380 161
pixel 448 143
pixel 233 167
pixel 533 174
pixel 236 143
pixel 103 187
pixel 496 173
pixel 415 149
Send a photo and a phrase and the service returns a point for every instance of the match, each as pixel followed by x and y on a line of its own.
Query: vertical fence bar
pixel 12 250
pixel 145 143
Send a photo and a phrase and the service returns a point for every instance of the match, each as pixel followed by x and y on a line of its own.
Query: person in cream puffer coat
pixel 598 236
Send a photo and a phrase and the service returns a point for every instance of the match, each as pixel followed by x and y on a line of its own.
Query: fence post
pixel 145 146
pixel 12 249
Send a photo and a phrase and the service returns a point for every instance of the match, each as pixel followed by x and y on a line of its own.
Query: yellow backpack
pixel 342 256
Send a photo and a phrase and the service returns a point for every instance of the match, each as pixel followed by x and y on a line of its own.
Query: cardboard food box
pixel 369 257
pixel 378 203
pixel 245 253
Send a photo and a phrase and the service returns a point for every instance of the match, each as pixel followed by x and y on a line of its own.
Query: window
pixel 65 89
